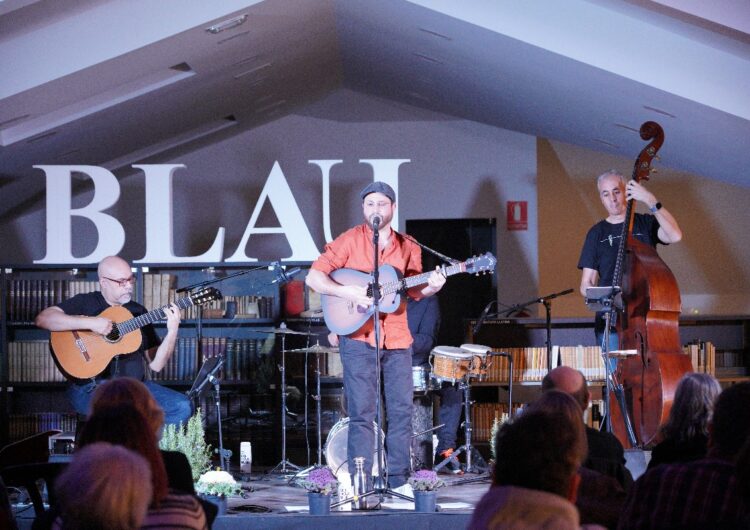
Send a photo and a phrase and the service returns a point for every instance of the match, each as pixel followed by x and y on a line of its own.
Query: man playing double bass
pixel 599 253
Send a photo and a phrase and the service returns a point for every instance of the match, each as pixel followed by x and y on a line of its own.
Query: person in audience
pixel 606 454
pixel 704 493
pixel 127 390
pixel 105 487
pixel 124 425
pixel 684 436
pixel 537 456
pixel 600 497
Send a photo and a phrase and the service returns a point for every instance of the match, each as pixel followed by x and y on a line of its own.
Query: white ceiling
pixel 114 82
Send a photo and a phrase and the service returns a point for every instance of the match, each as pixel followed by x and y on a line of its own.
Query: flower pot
pixel 219 500
pixel 320 503
pixel 425 501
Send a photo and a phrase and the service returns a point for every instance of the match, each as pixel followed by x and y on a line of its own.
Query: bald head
pixel 570 381
pixel 113 267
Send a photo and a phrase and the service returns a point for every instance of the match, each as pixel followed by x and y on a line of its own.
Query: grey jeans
pixel 360 387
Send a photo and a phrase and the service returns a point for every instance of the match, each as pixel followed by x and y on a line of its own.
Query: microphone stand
pixel 548 320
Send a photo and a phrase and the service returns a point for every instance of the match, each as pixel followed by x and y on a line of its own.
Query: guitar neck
pixel 152 316
pixel 419 279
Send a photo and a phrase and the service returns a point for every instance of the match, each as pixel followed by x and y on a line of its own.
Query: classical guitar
pixel 83 354
pixel 344 317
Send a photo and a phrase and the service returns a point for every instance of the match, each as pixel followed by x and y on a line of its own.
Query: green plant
pixel 190 440
pixel 219 483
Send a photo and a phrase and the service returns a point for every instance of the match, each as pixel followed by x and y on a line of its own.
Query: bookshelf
pixel 719 345
pixel 32 385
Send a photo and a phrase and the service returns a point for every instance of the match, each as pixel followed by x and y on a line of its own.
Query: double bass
pixel 647 321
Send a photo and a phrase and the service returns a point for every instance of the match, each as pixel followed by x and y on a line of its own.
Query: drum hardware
pixel 285 466
pixel 336 452
pixel 317 349
pixel 476 357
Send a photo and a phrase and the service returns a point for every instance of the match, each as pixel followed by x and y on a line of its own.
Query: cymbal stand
pixel 318 415
pixel 285 466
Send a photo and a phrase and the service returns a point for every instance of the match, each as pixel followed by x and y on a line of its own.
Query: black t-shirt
pixel 126 365
pixel 603 239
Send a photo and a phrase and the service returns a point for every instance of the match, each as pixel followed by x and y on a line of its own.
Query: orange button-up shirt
pixel 353 250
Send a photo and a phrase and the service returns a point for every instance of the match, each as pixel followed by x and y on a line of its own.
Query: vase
pixel 425 501
pixel 320 503
pixel 220 501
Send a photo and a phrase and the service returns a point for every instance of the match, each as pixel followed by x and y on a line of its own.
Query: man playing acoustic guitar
pixel 354 249
pixel 82 313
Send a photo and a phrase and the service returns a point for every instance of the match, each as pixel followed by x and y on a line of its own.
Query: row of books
pixel 246 306
pixel 485 415
pixel 26 298
pixel 23 425
pixel 242 357
pixel 706 359
pixel 30 361
pixel 530 364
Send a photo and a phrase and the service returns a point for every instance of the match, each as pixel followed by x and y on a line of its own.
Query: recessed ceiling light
pixel 605 142
pixel 417 95
pixel 659 111
pixel 41 137
pixel 627 127
pixel 227 24
pixel 231 37
pixel 13 120
pixel 435 33
pixel 427 58
pixel 270 106
pixel 246 60
pixel 252 70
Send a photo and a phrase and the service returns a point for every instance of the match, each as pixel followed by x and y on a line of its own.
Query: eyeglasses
pixel 123 282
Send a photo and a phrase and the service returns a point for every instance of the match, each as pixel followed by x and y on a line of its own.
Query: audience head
pixel 730 426
pixel 570 381
pixel 542 449
pixel 124 425
pixel 104 487
pixel 126 390
pixel 692 407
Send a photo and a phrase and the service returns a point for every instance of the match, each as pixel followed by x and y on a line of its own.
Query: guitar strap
pixel 434 252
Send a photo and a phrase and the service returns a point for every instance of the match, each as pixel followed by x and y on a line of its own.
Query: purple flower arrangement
pixel 425 480
pixel 320 480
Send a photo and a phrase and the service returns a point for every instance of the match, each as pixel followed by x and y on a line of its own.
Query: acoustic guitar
pixel 83 354
pixel 344 317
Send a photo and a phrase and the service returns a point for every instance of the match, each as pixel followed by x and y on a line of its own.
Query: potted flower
pixel 425 483
pixel 320 484
pixel 214 486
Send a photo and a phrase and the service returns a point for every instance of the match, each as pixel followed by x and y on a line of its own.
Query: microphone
pixel 484 314
pixel 283 276
pixel 375 221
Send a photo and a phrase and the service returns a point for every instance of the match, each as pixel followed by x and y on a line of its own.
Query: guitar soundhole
pixel 114 335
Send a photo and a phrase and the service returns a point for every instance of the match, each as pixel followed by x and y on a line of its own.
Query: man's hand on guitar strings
pixel 172 311
pixel 102 326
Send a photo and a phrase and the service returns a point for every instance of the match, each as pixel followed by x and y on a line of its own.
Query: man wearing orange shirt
pixel 354 250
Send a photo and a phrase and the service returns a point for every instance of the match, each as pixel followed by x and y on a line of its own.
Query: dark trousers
pixel 360 388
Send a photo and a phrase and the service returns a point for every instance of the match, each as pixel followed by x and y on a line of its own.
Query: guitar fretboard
pixel 419 279
pixel 152 316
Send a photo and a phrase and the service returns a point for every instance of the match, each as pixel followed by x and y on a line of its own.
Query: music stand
pixel 209 374
pixel 607 299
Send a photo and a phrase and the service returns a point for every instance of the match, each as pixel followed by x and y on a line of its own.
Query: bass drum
pixel 336 452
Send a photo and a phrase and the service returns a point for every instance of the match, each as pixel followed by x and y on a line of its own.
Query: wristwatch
pixel 655 208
